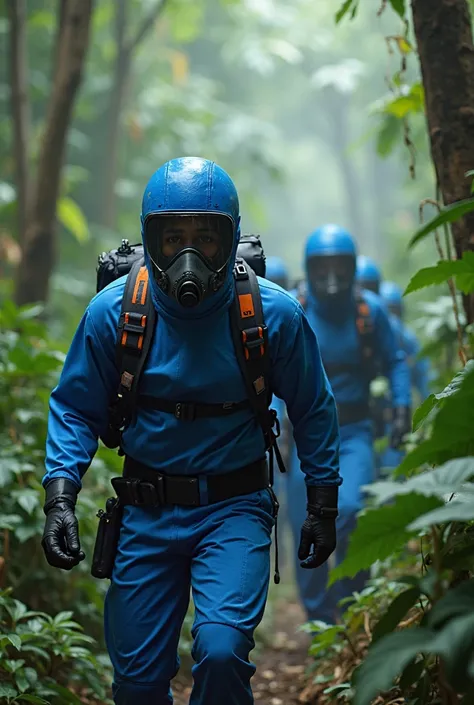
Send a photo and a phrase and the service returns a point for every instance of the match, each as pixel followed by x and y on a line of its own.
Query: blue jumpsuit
pixel 220 551
pixel 339 343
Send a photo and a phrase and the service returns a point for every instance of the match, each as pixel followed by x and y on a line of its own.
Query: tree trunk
pixel 123 61
pixel 339 107
pixel 20 108
pixel 445 48
pixel 39 252
pixel 114 112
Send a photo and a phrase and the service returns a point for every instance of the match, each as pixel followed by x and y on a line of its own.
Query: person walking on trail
pixel 368 274
pixel 392 296
pixel 198 509
pixel 356 339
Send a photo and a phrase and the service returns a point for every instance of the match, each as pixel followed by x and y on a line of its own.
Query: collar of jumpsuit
pixel 189 186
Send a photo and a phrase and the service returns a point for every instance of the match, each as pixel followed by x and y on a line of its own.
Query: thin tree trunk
pixel 123 62
pixel 339 128
pixel 39 252
pixel 20 108
pixel 445 48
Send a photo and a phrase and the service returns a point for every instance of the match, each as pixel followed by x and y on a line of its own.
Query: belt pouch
pixel 106 542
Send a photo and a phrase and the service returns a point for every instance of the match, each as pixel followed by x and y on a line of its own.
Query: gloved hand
pixel 61 533
pixel 401 425
pixel 319 528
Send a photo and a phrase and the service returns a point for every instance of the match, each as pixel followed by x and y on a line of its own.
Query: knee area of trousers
pixel 220 645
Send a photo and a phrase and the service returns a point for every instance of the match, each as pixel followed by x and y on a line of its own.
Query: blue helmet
pixel 330 256
pixel 368 274
pixel 276 271
pixel 190 229
pixel 391 293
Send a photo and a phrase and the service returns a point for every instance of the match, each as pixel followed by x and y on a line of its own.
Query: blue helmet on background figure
pixel 277 272
pixel 393 297
pixel 190 229
pixel 368 274
pixel 330 257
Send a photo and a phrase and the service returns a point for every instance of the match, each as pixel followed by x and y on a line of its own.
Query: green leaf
pixel 456 602
pixel 452 511
pixel 440 482
pixel 423 411
pixel 28 500
pixel 463 269
pixel 395 613
pixel 381 532
pixel 27 698
pixel 21 682
pixel 411 674
pixel 15 640
pixel 386 659
pixel 345 8
pixel 388 134
pixel 449 214
pixel 399 7
pixel 72 218
pixel 6 691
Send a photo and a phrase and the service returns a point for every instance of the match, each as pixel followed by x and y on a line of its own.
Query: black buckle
pixel 240 271
pixel 136 323
pixel 147 494
pixel 254 340
pixel 185 412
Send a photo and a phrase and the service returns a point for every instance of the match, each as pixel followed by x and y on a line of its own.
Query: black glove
pixel 319 528
pixel 61 533
pixel 401 425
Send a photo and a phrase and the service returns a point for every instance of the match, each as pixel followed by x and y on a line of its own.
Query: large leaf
pixel 423 411
pixel 72 218
pixel 395 613
pixel 452 511
pixel 440 482
pixel 457 601
pixel 385 661
pixel 449 214
pixel 380 532
pixel 463 269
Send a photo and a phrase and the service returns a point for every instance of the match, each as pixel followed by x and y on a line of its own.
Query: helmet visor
pixel 166 236
pixel 331 275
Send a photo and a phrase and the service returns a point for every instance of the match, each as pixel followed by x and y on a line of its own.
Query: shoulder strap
pixel 365 328
pixel 134 335
pixel 250 336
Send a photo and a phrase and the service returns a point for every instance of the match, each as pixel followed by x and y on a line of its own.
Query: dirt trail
pixel 281 661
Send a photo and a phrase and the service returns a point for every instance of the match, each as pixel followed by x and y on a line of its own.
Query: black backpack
pixel 136 325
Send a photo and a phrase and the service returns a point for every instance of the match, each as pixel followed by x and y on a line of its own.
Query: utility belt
pixel 142 486
pixel 348 413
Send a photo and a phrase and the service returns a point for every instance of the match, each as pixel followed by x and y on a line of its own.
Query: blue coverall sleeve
pixel 299 379
pixel 78 409
pixel 392 358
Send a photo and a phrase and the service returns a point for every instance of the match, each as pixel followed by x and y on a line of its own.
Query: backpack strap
pixel 134 335
pixel 365 328
pixel 250 336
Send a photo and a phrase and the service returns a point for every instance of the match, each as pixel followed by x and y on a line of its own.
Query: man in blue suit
pixel 356 341
pixel 210 531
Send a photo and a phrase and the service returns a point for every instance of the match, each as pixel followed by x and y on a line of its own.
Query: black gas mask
pixel 331 276
pixel 189 253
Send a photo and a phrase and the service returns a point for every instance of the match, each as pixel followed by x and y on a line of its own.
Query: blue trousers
pixel 357 469
pixel 222 553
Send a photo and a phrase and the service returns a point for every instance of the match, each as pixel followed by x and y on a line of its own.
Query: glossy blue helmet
pixel 190 273
pixel 393 297
pixel 276 271
pixel 330 256
pixel 368 274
